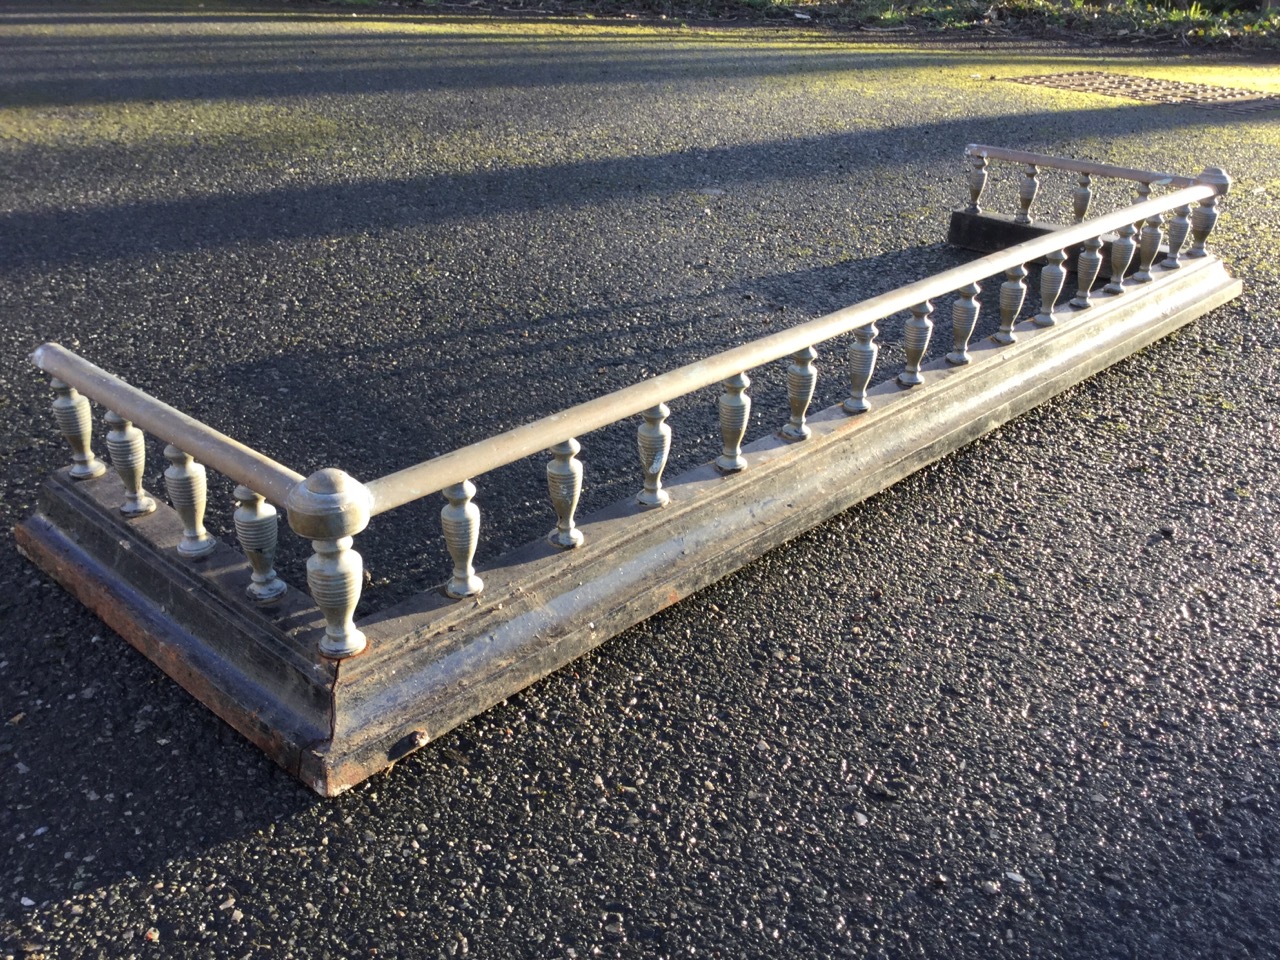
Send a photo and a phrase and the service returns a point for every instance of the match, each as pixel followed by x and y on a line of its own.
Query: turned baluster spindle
pixel 1088 266
pixel 915 337
pixel 258 530
pixel 1142 193
pixel 75 423
pixel 1027 189
pixel 862 364
pixel 1122 249
pixel 460 521
pixel 564 480
pixel 1148 247
pixel 187 487
pixel 128 450
pixel 1081 196
pixel 735 413
pixel 653 440
pixel 1052 276
pixel 1204 216
pixel 329 508
pixel 1013 292
pixel 964 317
pixel 802 380
pixel 977 181
pixel 1179 227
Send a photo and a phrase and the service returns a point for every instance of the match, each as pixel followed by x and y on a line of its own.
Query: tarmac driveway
pixel 1022 705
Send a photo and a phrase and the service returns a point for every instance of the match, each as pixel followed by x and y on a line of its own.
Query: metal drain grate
pixel 1230 99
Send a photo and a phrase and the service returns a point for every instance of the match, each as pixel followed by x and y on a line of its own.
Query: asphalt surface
pixel 1022 705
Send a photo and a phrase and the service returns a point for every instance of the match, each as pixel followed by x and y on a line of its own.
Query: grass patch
pixel 1193 24
pixel 263 127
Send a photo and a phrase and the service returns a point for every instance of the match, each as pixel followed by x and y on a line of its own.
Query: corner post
pixel 329 508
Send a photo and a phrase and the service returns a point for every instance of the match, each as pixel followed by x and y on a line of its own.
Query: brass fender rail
pixel 982 150
pixel 330 508
pixel 432 476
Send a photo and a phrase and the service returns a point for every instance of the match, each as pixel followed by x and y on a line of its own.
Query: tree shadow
pixel 387 52
pixel 92 234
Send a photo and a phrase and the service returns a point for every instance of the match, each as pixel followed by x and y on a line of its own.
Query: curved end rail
pixel 1078 166
pixel 233 459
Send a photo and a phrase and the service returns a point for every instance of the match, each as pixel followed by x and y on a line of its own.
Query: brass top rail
pixel 1076 166
pixel 431 476
pixel 229 457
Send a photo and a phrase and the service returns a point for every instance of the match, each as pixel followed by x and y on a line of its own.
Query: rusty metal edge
pixel 283 729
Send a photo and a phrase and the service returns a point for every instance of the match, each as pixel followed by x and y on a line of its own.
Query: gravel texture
pixel 1022 705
